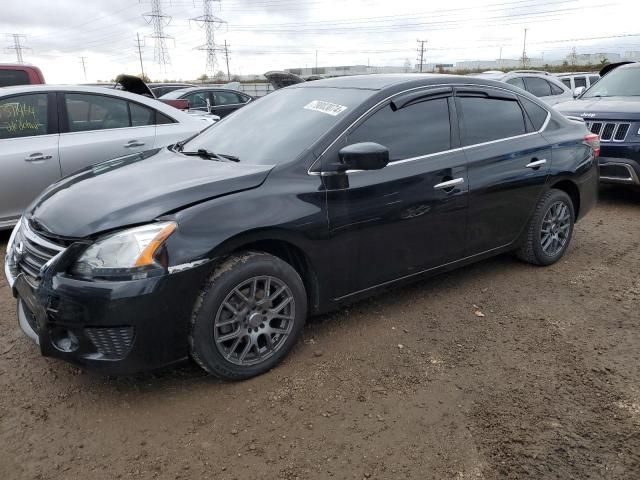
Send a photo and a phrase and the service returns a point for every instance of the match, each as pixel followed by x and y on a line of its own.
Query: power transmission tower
pixel 226 57
pixel 421 50
pixel 524 59
pixel 17 45
pixel 159 21
pixel 573 57
pixel 84 67
pixel 139 45
pixel 210 23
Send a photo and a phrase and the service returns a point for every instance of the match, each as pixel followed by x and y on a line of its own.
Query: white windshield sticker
pixel 325 107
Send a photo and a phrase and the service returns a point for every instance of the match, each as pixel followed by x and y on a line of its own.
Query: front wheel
pixel 248 317
pixel 550 229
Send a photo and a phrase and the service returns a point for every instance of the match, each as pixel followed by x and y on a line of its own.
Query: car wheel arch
pixel 571 189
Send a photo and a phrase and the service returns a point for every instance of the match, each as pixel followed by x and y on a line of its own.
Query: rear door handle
pixel 536 163
pixel 133 143
pixel 37 157
pixel 449 184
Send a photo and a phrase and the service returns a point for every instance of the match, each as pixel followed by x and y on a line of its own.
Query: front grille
pixel 609 131
pixel 32 251
pixel 113 343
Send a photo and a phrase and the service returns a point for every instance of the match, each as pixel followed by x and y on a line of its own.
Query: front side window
pixel 412 131
pixel 593 79
pixel 23 116
pixel 567 82
pixel 197 99
pixel 88 112
pixel 487 119
pixel 538 86
pixel 580 82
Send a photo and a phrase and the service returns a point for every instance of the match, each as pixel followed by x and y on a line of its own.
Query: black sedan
pixel 319 194
pixel 218 101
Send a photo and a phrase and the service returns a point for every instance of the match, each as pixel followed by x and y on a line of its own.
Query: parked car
pixel 19 74
pixel 217 101
pixel 578 82
pixel 48 132
pixel 611 109
pixel 317 195
pixel 160 89
pixel 541 84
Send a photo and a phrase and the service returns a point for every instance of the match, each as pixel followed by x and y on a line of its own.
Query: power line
pixel 159 21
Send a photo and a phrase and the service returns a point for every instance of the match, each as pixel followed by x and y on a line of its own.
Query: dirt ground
pixel 544 383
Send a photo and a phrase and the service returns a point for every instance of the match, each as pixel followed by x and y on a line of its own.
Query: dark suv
pixel 611 109
pixel 316 195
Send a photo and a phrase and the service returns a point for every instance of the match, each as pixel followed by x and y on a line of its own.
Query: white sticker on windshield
pixel 325 107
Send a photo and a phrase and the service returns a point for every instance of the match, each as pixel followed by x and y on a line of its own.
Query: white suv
pixel 575 80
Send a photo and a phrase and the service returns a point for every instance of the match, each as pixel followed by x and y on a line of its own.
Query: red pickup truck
pixel 18 74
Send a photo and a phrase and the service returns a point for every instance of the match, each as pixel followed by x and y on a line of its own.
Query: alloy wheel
pixel 556 227
pixel 254 320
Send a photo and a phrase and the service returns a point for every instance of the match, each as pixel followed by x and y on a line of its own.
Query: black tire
pixel 531 250
pixel 227 276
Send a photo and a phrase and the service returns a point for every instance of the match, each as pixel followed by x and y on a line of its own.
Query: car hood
pixel 136 189
pixel 605 108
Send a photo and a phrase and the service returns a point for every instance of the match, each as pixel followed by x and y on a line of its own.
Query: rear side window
pixel 87 112
pixel 141 116
pixel 227 98
pixel 13 77
pixel 535 112
pixel 23 116
pixel 555 89
pixel 162 119
pixel 580 82
pixel 538 86
pixel 486 119
pixel 415 130
pixel 516 82
pixel 567 82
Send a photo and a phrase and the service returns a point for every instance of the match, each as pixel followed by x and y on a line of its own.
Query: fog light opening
pixel 65 340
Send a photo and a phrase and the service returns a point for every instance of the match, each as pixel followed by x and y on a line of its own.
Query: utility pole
pixel 500 60
pixel 421 52
pixel 17 45
pixel 524 49
pixel 210 23
pixel 159 21
pixel 84 67
pixel 139 47
pixel 316 69
pixel 226 57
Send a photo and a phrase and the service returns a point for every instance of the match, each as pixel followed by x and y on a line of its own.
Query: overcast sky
pixel 277 34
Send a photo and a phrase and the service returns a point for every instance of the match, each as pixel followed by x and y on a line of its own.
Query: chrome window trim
pixel 421 157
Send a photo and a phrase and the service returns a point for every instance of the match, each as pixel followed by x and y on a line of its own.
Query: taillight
pixel 593 141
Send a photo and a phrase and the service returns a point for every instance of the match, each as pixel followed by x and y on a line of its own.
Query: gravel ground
pixel 498 370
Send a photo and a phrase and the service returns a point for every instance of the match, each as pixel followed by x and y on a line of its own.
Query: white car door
pixel 98 127
pixel 28 151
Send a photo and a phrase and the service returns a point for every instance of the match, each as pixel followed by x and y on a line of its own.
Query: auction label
pixel 325 107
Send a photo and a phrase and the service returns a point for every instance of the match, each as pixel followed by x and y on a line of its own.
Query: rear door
pixel 225 102
pixel 411 215
pixel 97 127
pixel 28 151
pixel 508 163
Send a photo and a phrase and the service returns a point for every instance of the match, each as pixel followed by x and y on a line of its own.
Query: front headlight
pixel 127 255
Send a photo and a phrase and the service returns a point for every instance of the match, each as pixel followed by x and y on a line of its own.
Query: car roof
pixel 386 80
pixel 175 93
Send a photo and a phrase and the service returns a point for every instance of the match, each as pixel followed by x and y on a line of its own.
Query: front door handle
pixel 535 164
pixel 37 157
pixel 449 184
pixel 133 143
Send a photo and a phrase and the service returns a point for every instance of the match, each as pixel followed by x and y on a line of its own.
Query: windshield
pixel 175 94
pixel 278 127
pixel 621 82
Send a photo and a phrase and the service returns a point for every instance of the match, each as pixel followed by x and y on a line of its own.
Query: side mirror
pixel 363 156
pixel 578 91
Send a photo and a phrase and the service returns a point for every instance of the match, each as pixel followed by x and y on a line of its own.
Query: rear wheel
pixel 248 317
pixel 550 229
